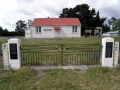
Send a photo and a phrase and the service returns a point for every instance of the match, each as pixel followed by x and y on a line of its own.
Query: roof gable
pixel 55 21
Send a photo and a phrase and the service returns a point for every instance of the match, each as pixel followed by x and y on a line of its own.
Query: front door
pixel 57 33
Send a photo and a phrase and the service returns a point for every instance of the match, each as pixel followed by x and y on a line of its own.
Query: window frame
pixel 38 29
pixel 74 29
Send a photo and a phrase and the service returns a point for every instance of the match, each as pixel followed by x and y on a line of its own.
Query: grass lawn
pixel 56 41
pixel 95 78
pixel 92 40
pixel 75 45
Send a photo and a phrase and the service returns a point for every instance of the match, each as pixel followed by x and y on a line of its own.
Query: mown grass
pixel 77 44
pixel 82 40
pixel 56 41
pixel 53 43
pixel 99 78
pixel 95 78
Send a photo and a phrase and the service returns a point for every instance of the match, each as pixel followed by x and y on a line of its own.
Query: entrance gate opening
pixel 60 54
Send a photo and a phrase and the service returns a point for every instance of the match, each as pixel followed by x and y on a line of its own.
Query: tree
pixel 1 28
pixel 29 23
pixel 1 31
pixel 88 18
pixel 118 23
pixel 106 28
pixel 20 27
pixel 112 22
pixel 5 32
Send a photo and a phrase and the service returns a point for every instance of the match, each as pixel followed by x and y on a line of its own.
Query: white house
pixel 54 27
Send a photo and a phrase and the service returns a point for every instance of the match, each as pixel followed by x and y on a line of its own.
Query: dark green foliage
pixel 3 32
pixel 112 22
pixel 20 27
pixel 106 28
pixel 19 30
pixel 1 28
pixel 117 24
pixel 88 18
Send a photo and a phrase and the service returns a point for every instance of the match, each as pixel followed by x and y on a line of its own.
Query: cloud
pixel 110 9
pixel 14 10
pixel 22 1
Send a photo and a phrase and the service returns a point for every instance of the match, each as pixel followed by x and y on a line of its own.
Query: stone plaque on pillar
pixel 13 51
pixel 109 49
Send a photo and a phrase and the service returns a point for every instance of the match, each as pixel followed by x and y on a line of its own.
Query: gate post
pixel 107 51
pixel 14 53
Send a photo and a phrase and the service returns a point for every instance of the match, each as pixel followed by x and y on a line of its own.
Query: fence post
pixel 107 51
pixel 14 53
pixel 116 53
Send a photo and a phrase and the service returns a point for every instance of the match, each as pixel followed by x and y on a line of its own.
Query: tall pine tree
pixel 88 18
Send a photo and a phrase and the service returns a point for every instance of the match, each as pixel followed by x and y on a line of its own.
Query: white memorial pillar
pixel 107 51
pixel 5 56
pixel 116 53
pixel 14 53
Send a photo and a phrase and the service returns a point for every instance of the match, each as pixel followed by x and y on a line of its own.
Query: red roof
pixel 55 21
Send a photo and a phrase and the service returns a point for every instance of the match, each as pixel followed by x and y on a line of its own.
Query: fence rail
pixel 69 54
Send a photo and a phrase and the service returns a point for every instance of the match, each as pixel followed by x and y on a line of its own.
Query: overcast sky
pixel 13 10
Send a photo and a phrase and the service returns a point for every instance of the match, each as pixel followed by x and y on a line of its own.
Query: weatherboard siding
pixel 66 31
pixel 49 32
pixel 46 32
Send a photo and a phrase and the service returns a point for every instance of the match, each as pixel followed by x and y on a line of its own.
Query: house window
pixel 74 29
pixel 38 29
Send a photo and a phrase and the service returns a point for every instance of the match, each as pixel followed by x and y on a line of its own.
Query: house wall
pixel 65 31
pixel 45 33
